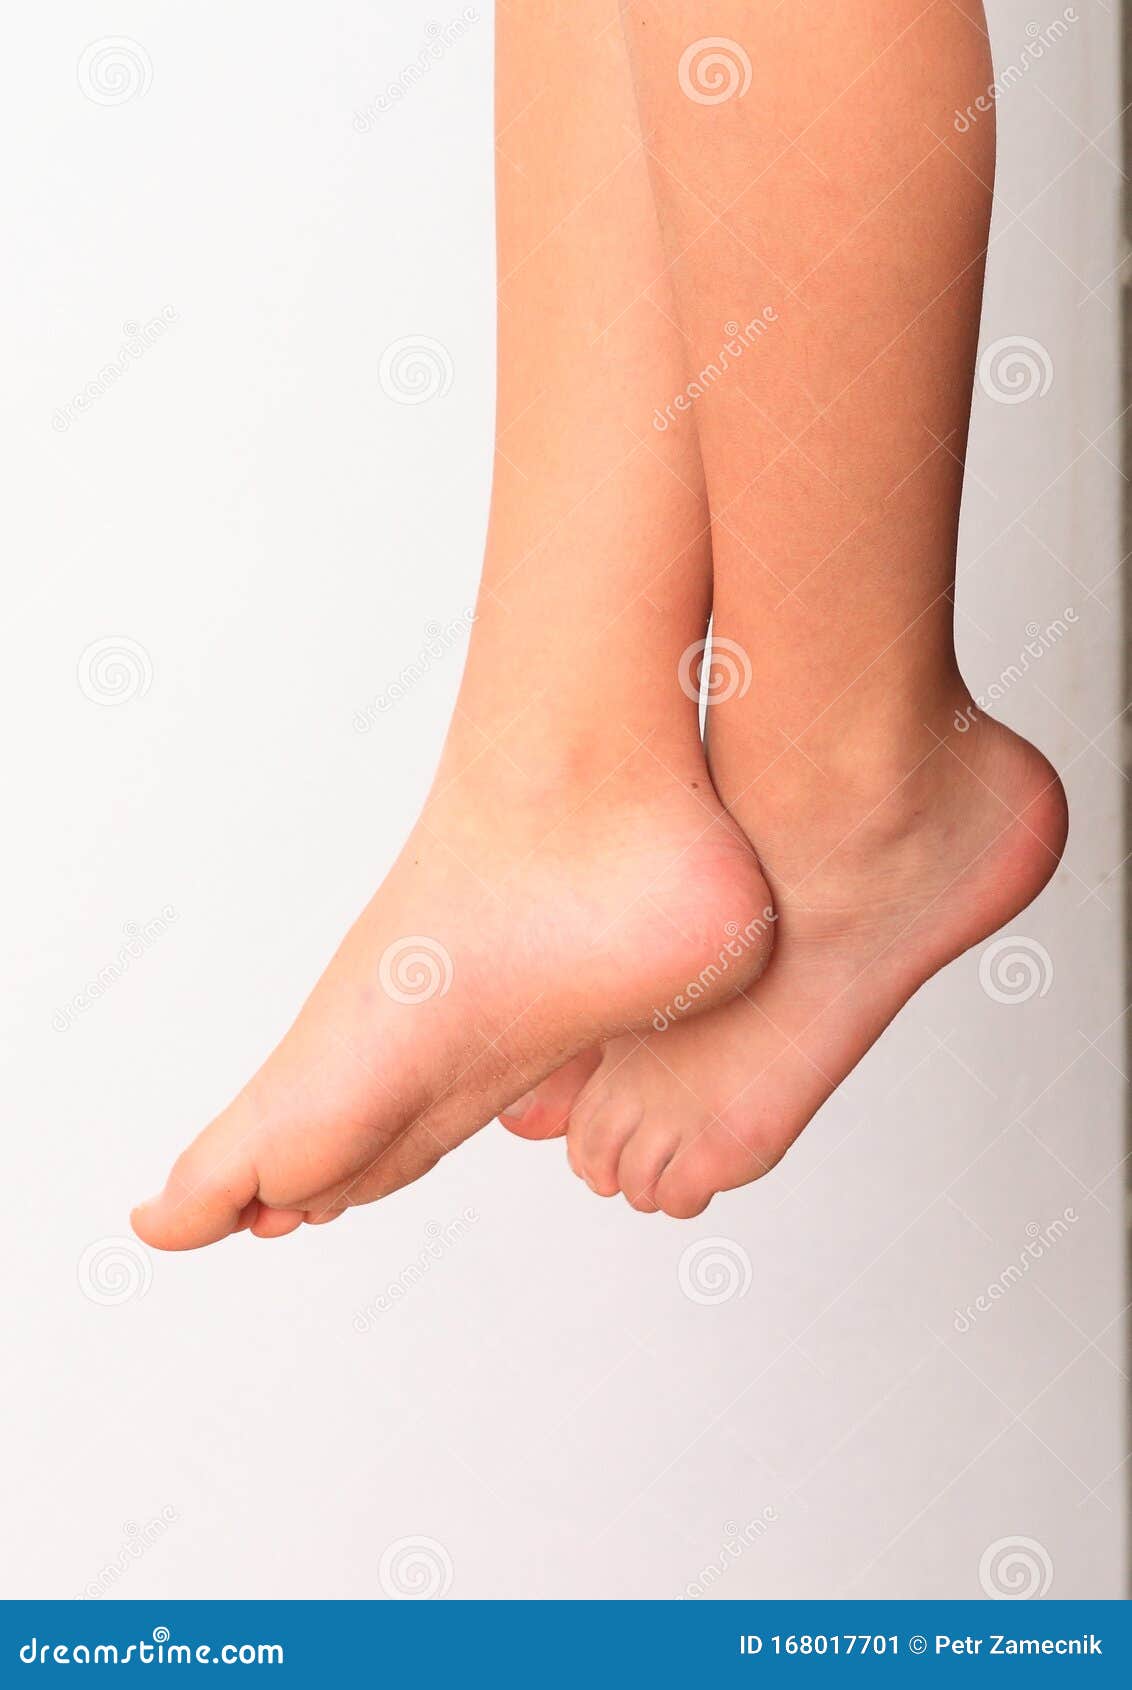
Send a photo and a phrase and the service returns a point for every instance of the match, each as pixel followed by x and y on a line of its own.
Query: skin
pixel 897 826
pixel 579 862
pixel 573 863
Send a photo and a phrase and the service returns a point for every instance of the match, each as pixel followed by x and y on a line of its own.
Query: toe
pixel 687 1183
pixel 323 1217
pixel 208 1192
pixel 600 1128
pixel 276 1223
pixel 641 1165
pixel 327 1205
pixel 545 1111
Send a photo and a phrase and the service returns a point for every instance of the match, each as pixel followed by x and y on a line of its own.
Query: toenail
pixel 516 1111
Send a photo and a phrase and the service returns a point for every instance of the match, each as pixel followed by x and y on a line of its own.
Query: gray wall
pixel 560 1404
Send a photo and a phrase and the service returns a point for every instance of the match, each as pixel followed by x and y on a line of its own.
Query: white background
pixel 279 536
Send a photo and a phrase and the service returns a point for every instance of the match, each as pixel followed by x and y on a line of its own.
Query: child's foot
pixel 488 958
pixel 878 883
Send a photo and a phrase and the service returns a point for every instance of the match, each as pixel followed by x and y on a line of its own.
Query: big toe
pixel 210 1191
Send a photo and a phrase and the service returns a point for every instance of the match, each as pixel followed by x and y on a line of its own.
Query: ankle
pixel 890 760
pixel 893 805
pixel 550 766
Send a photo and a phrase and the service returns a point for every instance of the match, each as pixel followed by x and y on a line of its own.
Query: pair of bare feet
pixel 615 955
pixel 672 953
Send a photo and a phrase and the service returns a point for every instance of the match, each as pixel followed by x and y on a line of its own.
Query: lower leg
pixel 897 826
pixel 572 862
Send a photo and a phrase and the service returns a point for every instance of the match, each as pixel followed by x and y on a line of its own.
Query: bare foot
pixel 879 883
pixel 481 965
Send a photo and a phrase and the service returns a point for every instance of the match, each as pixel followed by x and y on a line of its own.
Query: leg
pixel 572 866
pixel 897 825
